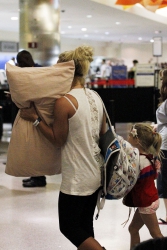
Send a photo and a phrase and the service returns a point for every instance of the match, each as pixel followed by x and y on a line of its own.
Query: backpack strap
pixel 100 202
pixel 106 114
pixel 102 191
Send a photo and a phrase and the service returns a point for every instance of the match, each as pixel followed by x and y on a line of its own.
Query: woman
pixel 78 123
pixel 161 115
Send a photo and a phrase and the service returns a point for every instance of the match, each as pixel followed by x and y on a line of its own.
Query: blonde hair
pixel 149 140
pixel 82 57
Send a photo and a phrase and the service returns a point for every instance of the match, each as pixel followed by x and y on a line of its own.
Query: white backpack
pixel 121 167
pixel 125 169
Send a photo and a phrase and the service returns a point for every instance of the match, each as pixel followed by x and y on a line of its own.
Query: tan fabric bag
pixel 29 152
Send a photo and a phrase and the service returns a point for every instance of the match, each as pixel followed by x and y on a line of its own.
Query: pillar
pixel 39 30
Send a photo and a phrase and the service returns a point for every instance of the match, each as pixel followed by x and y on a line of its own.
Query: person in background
pixel 161 127
pixel 91 74
pixel 24 59
pixel 144 194
pixel 11 61
pixel 103 69
pixel 109 68
pixel 131 73
pixel 78 123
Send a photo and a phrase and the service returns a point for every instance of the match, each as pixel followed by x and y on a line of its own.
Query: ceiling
pixel 101 26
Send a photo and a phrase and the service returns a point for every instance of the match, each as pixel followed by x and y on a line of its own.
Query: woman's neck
pixel 77 84
pixel 77 87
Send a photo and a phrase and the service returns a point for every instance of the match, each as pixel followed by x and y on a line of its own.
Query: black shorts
pixel 162 177
pixel 76 216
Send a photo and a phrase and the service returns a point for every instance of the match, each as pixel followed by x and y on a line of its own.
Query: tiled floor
pixel 29 221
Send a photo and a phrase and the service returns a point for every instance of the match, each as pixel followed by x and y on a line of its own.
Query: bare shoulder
pixel 61 103
pixel 64 108
pixel 66 103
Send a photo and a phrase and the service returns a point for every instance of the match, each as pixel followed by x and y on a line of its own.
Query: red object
pixel 32 45
pixel 125 82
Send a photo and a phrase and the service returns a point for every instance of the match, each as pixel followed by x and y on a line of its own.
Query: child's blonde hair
pixel 149 140
pixel 82 57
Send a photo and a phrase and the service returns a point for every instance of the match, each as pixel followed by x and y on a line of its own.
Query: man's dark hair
pixel 135 61
pixel 24 59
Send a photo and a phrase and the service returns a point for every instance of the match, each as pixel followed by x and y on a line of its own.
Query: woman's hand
pixel 29 114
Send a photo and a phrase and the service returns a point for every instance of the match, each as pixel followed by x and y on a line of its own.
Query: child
pixel 144 194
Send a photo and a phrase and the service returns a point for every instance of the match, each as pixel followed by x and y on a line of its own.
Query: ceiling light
pixel 84 29
pixel 157 31
pixel 69 27
pixel 117 23
pixel 107 33
pixel 140 38
pixel 152 40
pixel 14 18
pixel 89 16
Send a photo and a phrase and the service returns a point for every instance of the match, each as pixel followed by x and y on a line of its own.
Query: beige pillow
pixel 29 152
pixel 35 83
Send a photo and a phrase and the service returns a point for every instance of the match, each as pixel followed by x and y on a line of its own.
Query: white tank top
pixel 81 158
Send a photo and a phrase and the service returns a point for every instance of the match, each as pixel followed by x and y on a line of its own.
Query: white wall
pixel 126 52
pixel 141 52
pixel 9 36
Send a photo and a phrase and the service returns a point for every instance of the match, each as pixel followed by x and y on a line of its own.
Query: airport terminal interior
pixel 29 216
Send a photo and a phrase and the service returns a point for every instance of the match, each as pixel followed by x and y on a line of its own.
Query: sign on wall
pixel 144 75
pixel 8 46
pixel 157 46
pixel 32 45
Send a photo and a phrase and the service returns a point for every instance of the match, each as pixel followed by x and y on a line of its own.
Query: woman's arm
pixel 57 134
pixel 30 114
